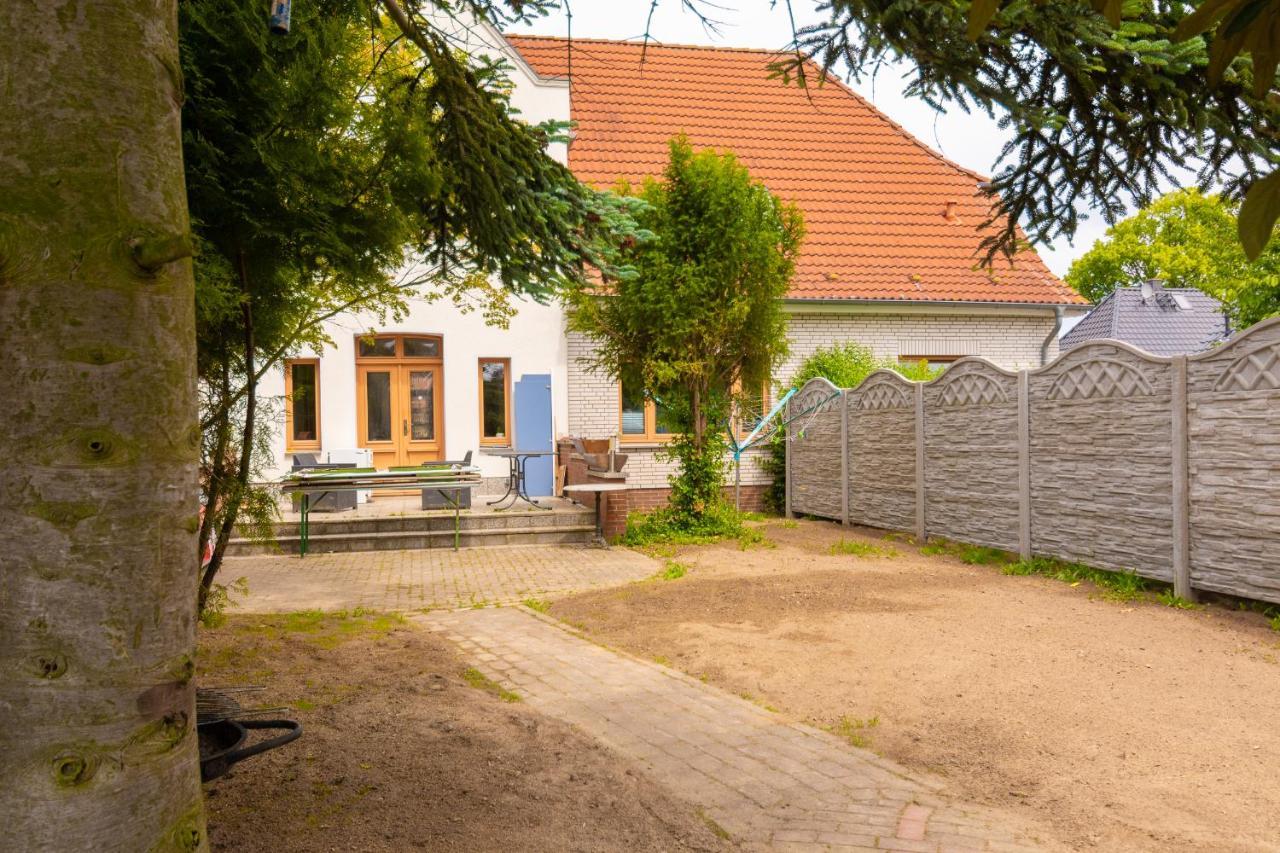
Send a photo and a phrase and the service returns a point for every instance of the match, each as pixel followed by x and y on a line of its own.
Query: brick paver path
pixel 412 580
pixel 770 783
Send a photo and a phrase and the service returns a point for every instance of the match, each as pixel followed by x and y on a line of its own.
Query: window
pixel 933 362
pixel 398 346
pixel 495 401
pixel 302 410
pixel 640 418
pixel 377 347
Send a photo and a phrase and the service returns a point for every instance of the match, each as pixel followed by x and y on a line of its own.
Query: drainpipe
pixel 1057 327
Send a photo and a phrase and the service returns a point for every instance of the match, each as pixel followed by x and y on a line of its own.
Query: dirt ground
pixel 401 752
pixel 1122 725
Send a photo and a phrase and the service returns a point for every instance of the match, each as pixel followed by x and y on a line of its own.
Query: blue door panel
pixel 533 429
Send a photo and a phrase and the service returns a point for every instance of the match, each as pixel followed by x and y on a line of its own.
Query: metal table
pixel 516 489
pixel 598 489
pixel 450 479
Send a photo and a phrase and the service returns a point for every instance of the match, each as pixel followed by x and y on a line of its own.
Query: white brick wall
pixel 1010 340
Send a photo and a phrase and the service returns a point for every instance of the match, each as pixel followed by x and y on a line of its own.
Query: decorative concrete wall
pixel 1110 456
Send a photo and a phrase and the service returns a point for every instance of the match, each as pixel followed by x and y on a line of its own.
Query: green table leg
pixel 302 527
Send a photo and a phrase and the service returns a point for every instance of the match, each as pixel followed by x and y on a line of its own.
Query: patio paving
pixel 439 578
pixel 769 782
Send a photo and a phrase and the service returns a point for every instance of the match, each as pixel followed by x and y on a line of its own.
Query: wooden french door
pixel 400 403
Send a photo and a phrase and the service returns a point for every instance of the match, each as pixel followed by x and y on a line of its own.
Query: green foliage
pixel 1168 598
pixel 754 537
pixel 1098 108
pixel 844 365
pixel 855 731
pixel 540 605
pixel 668 526
pixel 1188 239
pixel 1118 586
pixel 674 571
pixel 702 313
pixel 854 548
pixel 218 601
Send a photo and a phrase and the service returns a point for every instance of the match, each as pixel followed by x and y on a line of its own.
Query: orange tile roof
pixel 874 197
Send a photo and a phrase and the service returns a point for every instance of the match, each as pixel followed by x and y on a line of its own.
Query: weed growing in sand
pixel 933 549
pixel 1168 598
pixel 1117 586
pixel 1274 622
pixel 480 681
pixel 218 600
pixel 673 571
pixel 854 730
pixel 854 548
pixel 753 537
pixel 790 524
pixel 977 555
pixel 541 605
pixel 662 660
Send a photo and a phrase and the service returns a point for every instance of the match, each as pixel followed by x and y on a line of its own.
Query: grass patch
pixel 854 730
pixel 662 660
pixel 854 548
pixel 541 605
pixel 325 629
pixel 480 681
pixel 673 572
pixel 1168 598
pixel 978 555
pixel 790 524
pixel 664 528
pixel 1117 586
pixel 934 549
pixel 753 537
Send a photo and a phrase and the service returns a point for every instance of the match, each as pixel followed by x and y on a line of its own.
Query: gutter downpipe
pixel 1057 327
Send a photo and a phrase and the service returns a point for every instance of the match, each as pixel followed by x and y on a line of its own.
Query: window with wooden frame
pixel 640 419
pixel 302 408
pixel 749 409
pixel 495 401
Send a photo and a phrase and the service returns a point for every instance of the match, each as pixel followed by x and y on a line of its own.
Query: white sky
pixel 973 141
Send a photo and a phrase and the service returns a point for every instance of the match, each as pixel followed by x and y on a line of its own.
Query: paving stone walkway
pixel 771 783
pixel 413 580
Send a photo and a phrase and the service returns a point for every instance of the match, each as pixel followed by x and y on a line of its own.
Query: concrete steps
pixel 419 531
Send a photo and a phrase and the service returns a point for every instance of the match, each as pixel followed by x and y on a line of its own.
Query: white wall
pixel 535 342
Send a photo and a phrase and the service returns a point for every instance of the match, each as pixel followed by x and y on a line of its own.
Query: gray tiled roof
pixel 1156 324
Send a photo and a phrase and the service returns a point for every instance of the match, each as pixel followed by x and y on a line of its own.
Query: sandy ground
pixel 400 753
pixel 1123 726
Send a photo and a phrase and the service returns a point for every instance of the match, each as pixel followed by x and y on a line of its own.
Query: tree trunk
pixel 98 438
pixel 236 494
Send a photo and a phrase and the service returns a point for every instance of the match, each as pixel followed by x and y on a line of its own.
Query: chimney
pixel 950 212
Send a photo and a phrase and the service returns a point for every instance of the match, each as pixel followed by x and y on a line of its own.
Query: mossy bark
pixel 98 435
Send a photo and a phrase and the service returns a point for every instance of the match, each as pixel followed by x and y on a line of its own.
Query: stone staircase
pixel 341 533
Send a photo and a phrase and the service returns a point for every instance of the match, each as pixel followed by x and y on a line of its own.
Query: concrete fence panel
pixel 971 454
pixel 1101 471
pixel 813 432
pixel 1233 431
pixel 882 437
pixel 1109 456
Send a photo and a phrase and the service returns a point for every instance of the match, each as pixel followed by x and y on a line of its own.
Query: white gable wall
pixel 535 342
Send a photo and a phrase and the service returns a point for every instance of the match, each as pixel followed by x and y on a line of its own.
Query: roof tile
pixel 873 196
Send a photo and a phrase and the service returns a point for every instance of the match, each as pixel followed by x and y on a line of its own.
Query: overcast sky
pixel 973 141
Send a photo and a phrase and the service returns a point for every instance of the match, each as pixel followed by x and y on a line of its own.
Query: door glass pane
pixel 632 413
pixel 422 347
pixel 378 348
pixel 493 385
pixel 422 405
pixel 378 408
pixel 303 380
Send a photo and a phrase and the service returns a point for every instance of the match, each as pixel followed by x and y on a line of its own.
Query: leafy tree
pixel 702 314
pixel 1187 239
pixel 99 444
pixel 1103 97
pixel 320 167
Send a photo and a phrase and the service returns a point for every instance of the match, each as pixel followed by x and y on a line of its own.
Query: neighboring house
pixel 890 259
pixel 1161 320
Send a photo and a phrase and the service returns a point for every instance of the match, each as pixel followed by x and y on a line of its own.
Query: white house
pixel 889 260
